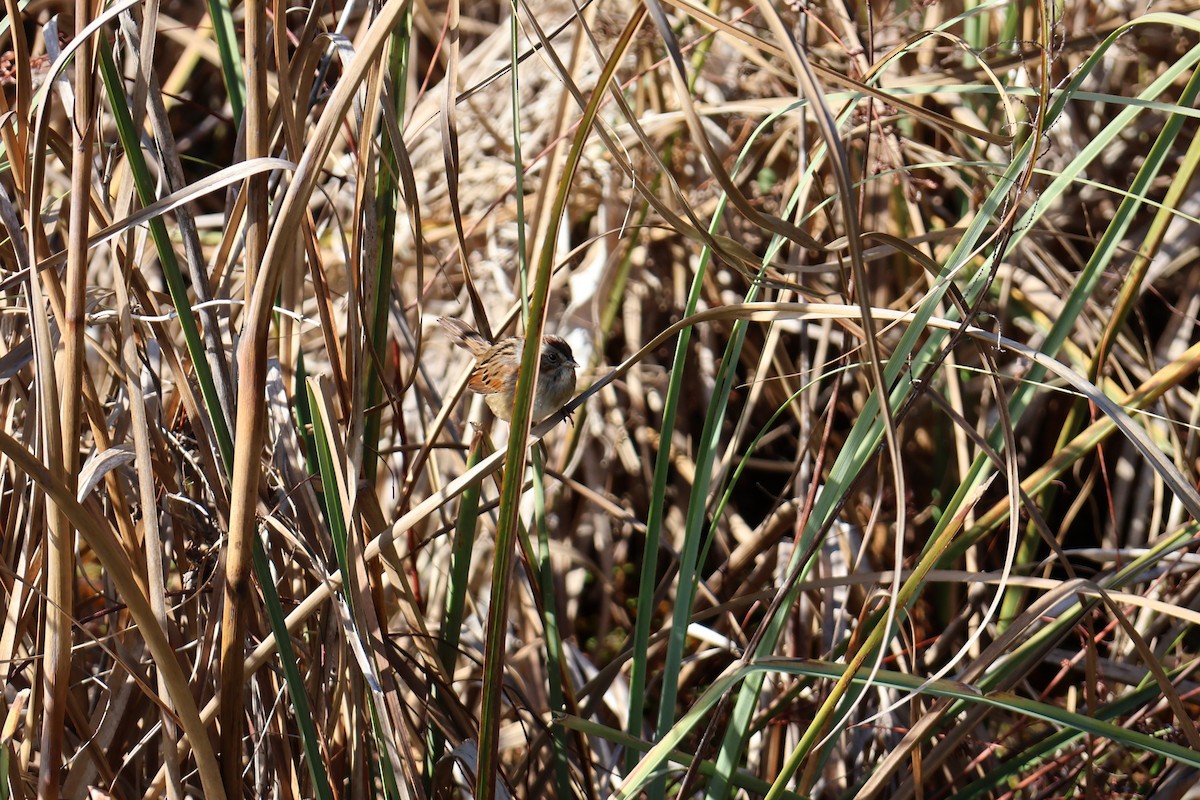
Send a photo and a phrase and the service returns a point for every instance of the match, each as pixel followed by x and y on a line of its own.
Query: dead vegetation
pixel 228 413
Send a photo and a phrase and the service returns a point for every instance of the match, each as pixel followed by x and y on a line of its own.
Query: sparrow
pixel 497 365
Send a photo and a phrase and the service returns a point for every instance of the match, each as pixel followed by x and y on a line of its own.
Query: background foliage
pixel 256 541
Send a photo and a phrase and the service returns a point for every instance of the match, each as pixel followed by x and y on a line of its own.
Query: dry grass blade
pixel 133 593
pixel 220 180
pixel 252 371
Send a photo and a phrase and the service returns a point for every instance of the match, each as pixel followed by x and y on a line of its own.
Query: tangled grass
pixel 258 542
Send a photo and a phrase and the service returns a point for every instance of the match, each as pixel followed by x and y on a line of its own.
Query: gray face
pixel 555 354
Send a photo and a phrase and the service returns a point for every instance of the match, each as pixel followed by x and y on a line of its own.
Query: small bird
pixel 497 365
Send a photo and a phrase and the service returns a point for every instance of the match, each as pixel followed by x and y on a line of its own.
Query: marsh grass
pixel 882 477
